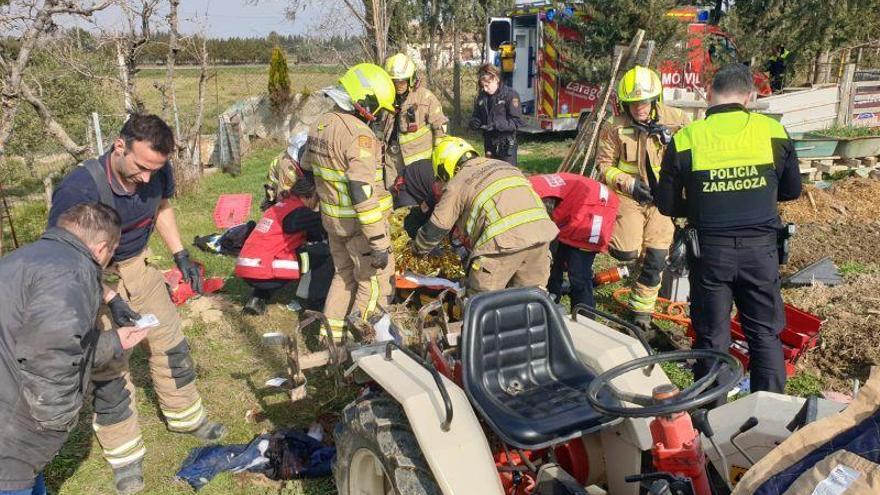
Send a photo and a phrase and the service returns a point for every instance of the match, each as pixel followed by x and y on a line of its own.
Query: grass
pixel 851 268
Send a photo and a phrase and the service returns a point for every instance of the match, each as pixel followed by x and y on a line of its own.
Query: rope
pixel 676 312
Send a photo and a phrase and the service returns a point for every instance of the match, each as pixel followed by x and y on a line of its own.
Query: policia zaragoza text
pixel 734 179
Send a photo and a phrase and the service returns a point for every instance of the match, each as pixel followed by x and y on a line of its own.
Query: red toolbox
pixel 800 333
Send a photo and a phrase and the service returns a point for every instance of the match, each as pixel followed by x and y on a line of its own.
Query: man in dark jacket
pixel 48 339
pixel 497 112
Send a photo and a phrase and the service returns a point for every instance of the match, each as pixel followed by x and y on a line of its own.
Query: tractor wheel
pixel 377 453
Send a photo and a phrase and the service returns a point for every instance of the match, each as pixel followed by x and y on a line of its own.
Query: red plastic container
pixel 231 210
pixel 800 334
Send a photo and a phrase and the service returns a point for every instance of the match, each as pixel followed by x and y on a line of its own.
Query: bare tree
pixel 138 17
pixel 35 22
pixel 371 17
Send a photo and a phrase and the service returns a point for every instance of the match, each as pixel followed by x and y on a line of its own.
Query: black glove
pixel 190 270
pixel 641 192
pixel 121 313
pixel 475 124
pixel 379 259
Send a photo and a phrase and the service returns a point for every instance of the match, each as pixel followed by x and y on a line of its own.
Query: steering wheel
pixel 725 368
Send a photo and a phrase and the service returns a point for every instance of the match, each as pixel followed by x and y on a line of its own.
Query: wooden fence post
pixel 844 107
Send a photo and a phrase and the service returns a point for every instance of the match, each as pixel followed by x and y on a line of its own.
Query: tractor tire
pixel 374 435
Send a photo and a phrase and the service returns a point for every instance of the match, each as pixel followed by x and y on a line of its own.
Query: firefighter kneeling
pixel 287 244
pixel 630 151
pixel 493 204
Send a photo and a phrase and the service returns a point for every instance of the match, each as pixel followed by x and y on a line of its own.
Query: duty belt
pixel 738 242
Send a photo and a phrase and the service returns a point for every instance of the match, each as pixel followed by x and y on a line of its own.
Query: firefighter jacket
pixel 494 205
pixel 585 209
pixel 417 124
pixel 725 173
pixel 270 251
pixel 280 177
pixel 345 157
pixel 625 151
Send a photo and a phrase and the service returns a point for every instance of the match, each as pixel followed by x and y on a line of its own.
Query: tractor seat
pixel 521 371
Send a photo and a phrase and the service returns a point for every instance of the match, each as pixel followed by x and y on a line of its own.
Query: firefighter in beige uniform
pixel 417 123
pixel 345 156
pixel 630 151
pixel 494 205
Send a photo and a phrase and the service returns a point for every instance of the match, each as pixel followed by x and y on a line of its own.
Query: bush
pixel 279 80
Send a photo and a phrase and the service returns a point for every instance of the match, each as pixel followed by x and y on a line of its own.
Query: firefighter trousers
pixel 356 286
pixel 747 275
pixel 172 370
pixel 642 236
pixel 524 268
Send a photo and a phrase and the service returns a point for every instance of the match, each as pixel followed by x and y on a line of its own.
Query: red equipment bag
pixel 586 212
pixel 181 291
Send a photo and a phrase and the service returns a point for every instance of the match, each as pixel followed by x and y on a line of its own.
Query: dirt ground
pixel 842 222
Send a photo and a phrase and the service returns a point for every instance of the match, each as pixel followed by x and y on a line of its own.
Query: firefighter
pixel 629 154
pixel 498 114
pixel 417 122
pixel 135 179
pixel 726 174
pixel 489 201
pixel 284 170
pixel 345 157
pixel 287 244
pixel 584 210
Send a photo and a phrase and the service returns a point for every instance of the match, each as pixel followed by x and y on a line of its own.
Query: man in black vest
pixel 134 178
pixel 726 174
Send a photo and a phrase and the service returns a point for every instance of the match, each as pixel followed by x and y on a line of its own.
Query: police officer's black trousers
pixel 744 271
pixel 499 150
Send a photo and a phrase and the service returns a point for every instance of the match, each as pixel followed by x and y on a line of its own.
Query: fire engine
pixel 552 102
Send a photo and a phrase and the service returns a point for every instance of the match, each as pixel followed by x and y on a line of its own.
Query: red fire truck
pixel 553 102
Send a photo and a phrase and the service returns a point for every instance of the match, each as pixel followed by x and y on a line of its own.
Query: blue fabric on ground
pixel 204 463
pixel 287 454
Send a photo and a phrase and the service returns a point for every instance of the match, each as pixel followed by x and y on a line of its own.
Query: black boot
pixel 129 479
pixel 255 306
pixel 209 432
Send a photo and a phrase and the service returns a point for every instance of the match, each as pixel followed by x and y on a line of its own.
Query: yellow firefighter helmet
pixel 639 84
pixel 399 66
pixel 370 89
pixel 448 152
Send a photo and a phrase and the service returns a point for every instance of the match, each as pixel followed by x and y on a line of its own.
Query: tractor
pixel 520 398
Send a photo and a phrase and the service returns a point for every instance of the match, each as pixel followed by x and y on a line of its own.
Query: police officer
pixel 726 174
pixel 629 154
pixel 345 157
pixel 498 114
pixel 507 228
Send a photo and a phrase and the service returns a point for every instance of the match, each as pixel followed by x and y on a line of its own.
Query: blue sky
pixel 227 18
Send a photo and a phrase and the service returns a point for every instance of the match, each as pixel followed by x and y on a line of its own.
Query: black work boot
pixel 129 479
pixel 643 321
pixel 255 306
pixel 209 432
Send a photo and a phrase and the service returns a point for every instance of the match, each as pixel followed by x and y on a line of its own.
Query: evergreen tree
pixel 279 80
pixel 588 34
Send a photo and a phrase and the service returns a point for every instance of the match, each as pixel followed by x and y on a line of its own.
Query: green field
pixel 226 85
